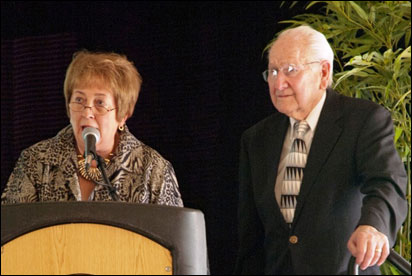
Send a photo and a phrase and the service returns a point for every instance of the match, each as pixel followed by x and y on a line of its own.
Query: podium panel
pixel 102 238
pixel 83 248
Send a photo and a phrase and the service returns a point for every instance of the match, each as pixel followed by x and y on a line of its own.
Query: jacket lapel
pixel 65 158
pixel 327 133
pixel 274 138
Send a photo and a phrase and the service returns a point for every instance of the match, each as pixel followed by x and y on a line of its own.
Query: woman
pixel 101 90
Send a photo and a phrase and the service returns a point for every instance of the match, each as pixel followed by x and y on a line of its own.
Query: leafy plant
pixel 371 42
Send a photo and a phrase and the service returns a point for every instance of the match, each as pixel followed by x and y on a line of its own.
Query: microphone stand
pixel 112 190
pixel 101 165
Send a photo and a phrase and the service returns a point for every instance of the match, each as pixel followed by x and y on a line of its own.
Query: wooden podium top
pixel 84 248
pixel 179 232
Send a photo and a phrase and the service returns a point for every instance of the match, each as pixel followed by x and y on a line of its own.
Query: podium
pixel 102 238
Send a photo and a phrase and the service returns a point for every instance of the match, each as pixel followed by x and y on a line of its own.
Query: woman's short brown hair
pixel 105 71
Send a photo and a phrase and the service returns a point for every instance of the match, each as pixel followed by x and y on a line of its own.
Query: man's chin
pixel 283 109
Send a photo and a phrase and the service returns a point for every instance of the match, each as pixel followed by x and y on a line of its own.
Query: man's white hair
pixel 315 42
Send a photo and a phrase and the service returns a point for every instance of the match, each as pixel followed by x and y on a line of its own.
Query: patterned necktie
pixel 295 163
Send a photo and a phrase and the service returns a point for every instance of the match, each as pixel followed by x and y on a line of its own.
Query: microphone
pixel 90 136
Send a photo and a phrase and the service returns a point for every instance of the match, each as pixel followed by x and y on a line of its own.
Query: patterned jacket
pixel 47 171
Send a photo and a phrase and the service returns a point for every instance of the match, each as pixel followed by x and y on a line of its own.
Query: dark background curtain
pixel 201 65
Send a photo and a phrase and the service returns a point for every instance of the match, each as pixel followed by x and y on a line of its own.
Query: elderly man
pixel 320 180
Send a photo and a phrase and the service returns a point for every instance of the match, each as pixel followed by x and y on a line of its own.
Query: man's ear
pixel 325 74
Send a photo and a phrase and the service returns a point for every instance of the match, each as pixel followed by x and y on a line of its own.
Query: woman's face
pixel 107 123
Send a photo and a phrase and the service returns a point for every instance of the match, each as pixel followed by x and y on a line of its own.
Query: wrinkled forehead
pixel 288 50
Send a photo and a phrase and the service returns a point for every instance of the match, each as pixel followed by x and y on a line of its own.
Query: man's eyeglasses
pixel 98 108
pixel 289 70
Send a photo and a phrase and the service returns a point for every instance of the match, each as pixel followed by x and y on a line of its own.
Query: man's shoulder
pixel 264 125
pixel 353 111
pixel 356 105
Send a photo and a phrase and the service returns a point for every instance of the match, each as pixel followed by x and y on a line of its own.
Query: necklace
pixel 93 174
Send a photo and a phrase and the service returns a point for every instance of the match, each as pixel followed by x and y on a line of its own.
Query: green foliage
pixel 371 42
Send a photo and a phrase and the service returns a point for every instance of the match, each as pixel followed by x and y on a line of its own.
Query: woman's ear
pixel 123 121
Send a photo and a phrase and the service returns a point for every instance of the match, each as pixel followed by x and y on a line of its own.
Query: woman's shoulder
pixel 49 149
pixel 134 148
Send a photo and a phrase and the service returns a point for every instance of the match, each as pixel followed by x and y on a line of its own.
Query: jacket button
pixel 293 239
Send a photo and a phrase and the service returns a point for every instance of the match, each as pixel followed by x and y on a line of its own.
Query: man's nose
pixel 281 82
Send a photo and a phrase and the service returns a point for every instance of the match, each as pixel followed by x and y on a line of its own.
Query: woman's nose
pixel 88 112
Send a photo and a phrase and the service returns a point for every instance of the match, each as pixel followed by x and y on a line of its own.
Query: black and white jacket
pixel 48 171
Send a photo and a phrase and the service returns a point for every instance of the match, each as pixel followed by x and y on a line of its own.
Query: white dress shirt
pixel 312 121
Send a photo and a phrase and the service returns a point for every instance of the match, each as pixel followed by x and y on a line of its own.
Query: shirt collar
pixel 313 116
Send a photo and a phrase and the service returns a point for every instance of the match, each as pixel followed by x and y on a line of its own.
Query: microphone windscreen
pixel 91 131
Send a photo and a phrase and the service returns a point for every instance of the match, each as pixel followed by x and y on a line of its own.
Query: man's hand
pixel 369 246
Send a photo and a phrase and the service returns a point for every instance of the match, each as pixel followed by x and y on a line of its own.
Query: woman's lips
pixel 83 127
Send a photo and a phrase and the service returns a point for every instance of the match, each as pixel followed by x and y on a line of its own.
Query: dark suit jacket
pixel 353 176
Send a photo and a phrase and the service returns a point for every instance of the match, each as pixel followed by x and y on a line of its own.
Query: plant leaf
pixel 359 11
pixel 398 133
pixel 357 51
pixel 313 3
pixel 407 36
pixel 354 71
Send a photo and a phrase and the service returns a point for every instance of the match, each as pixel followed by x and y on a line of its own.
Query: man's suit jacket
pixel 353 176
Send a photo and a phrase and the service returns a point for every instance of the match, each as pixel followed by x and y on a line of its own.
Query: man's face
pixel 295 94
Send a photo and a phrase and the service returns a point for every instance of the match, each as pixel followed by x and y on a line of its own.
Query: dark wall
pixel 201 65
